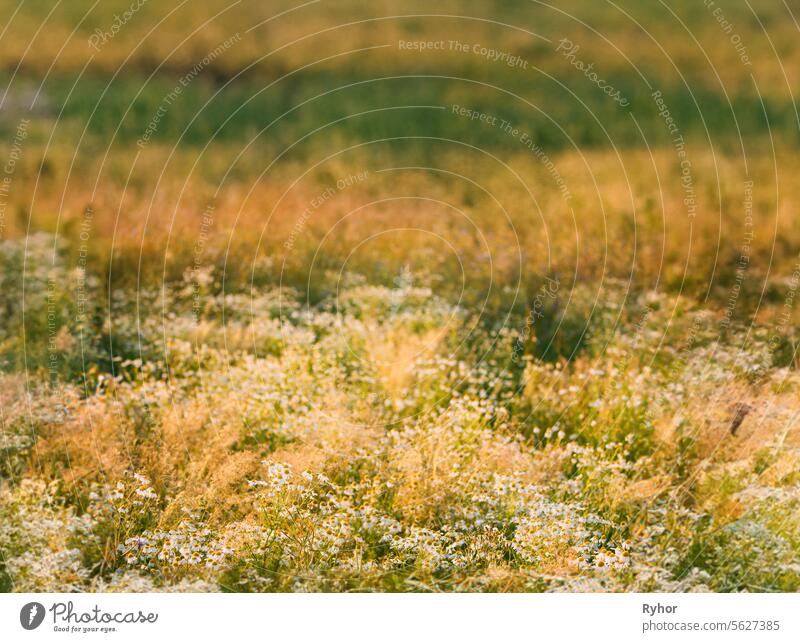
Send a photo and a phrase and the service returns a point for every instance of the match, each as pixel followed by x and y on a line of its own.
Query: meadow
pixel 500 296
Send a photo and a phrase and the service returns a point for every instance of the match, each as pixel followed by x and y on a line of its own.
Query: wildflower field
pixel 496 296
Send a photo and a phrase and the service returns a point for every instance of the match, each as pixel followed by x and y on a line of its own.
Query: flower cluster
pixel 383 439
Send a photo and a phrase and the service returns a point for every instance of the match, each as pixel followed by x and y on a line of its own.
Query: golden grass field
pixel 481 296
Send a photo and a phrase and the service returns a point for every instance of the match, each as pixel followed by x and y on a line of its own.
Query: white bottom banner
pixel 354 617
